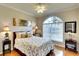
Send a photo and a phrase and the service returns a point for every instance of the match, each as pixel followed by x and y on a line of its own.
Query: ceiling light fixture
pixel 40 7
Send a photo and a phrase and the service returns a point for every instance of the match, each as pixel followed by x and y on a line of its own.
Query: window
pixel 53 29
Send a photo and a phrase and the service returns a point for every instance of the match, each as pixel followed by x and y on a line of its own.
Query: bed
pixel 33 46
pixel 30 46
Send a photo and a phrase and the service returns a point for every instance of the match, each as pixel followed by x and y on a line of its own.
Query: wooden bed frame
pixel 51 53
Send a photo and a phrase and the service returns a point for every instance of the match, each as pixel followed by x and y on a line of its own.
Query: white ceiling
pixel 28 8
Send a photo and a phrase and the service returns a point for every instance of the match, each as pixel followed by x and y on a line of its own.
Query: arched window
pixel 53 29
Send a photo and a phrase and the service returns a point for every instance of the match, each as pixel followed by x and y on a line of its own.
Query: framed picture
pixel 70 26
pixel 23 22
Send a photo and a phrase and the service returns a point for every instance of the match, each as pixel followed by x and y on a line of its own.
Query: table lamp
pixel 6 30
pixel 71 36
pixel 35 28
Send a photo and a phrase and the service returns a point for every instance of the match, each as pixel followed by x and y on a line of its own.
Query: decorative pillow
pixel 18 35
pixel 23 34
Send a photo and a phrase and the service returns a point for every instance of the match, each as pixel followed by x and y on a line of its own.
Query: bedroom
pixel 20 18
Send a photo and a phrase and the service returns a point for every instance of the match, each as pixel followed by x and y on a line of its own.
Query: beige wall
pixel 70 16
pixel 7 14
pixel 65 16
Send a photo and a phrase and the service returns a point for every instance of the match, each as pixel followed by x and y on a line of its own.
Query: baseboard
pixel 62 46
pixel 59 46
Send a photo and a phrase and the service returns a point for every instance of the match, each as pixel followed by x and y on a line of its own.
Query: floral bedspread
pixel 34 46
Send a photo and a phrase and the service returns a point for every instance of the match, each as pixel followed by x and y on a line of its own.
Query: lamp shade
pixel 6 29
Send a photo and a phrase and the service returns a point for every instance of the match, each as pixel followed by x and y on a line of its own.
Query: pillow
pixel 18 35
pixel 23 34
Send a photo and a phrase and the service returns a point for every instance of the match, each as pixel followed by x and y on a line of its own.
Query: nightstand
pixel 71 45
pixel 6 46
